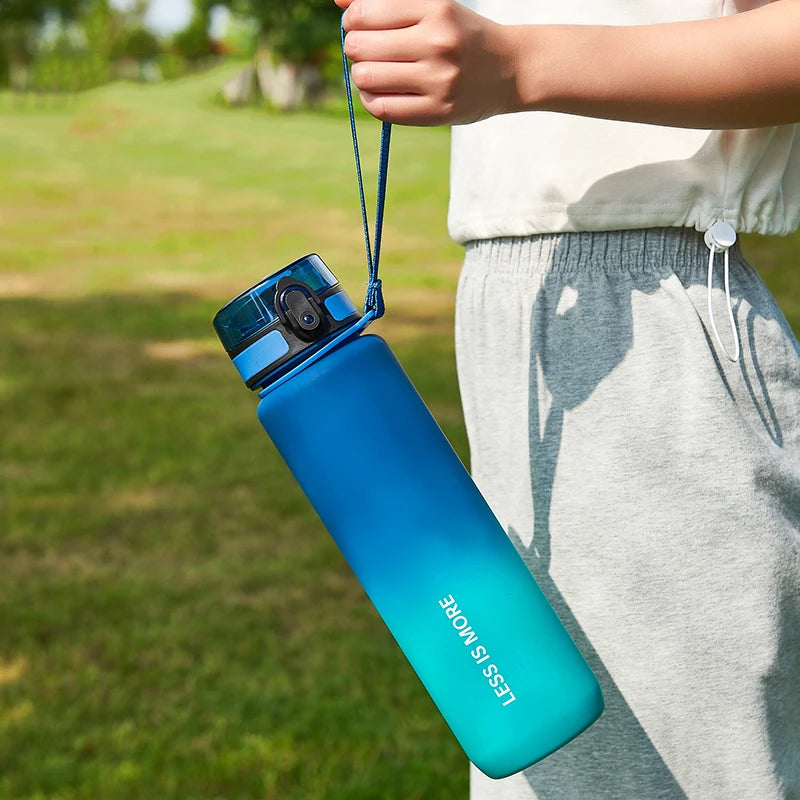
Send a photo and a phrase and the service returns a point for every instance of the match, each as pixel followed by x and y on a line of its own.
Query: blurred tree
pixel 194 42
pixel 133 47
pixel 71 45
pixel 99 25
pixel 137 44
pixel 297 31
pixel 74 55
pixel 37 10
pixel 294 38
pixel 20 23
pixel 241 35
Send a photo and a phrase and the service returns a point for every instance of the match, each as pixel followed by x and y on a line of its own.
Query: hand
pixel 427 62
pixel 434 62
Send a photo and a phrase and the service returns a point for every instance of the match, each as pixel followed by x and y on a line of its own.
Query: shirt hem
pixel 597 218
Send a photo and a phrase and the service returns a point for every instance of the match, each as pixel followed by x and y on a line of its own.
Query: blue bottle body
pixel 408 518
pixel 432 557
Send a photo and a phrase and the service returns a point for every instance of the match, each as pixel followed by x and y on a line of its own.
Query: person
pixel 631 390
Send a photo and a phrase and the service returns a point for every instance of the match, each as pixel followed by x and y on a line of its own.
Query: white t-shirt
pixel 540 172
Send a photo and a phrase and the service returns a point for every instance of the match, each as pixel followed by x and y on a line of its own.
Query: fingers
pixel 385 45
pixel 423 62
pixel 377 78
pixel 405 109
pixel 373 15
pixel 343 3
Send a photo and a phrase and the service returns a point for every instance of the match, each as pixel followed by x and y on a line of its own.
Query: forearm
pixel 435 62
pixel 740 71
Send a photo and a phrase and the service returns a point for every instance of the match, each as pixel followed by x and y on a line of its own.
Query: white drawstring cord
pixel 719 238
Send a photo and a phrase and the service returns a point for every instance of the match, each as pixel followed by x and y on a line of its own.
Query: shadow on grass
pixel 174 620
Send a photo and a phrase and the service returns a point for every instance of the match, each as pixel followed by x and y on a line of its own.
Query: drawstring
pixel 719 238
pixel 374 304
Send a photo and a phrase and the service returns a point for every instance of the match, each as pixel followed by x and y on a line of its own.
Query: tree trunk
pixel 239 90
pixel 286 85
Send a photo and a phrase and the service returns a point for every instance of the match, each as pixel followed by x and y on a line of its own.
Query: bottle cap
pixel 274 325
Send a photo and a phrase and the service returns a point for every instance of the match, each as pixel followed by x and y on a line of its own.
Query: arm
pixel 434 62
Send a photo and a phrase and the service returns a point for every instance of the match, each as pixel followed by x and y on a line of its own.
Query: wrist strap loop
pixel 373 304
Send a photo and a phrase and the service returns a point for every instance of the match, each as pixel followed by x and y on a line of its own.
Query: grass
pixel 174 621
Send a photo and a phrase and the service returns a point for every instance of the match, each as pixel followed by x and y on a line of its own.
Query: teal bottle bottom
pixel 493 655
pixel 432 557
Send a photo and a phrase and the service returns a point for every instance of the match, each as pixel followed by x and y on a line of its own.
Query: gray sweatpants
pixel 653 487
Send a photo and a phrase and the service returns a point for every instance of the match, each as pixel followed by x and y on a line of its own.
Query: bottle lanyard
pixel 373 304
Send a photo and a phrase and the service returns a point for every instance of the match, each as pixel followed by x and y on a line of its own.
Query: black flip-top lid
pixel 283 318
pixel 254 310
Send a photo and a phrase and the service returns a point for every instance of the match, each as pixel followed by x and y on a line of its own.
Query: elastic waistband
pixel 679 250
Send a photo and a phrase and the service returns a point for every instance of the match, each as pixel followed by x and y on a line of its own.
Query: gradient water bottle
pixel 408 518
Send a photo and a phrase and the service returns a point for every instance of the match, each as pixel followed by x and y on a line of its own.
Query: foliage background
pixel 73 45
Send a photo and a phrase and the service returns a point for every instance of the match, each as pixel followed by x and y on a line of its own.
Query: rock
pixel 288 86
pixel 239 89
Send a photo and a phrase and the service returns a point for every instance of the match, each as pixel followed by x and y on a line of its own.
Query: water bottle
pixel 417 533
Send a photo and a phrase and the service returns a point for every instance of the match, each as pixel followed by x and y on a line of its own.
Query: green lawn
pixel 174 621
